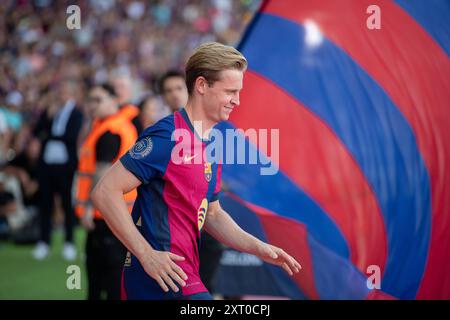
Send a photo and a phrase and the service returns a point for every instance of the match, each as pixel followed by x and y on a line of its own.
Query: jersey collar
pixel 191 127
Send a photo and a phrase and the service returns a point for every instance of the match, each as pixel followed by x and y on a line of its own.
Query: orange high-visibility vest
pixel 116 124
pixel 129 111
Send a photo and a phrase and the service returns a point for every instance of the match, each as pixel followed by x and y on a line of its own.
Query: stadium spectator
pixel 172 87
pixel 123 86
pixel 58 129
pixel 151 110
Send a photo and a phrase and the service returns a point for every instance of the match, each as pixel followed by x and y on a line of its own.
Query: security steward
pixel 111 135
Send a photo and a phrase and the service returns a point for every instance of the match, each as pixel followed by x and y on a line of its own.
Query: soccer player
pixel 173 89
pixel 176 200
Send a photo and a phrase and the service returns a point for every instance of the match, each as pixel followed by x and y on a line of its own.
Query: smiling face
pixel 214 76
pixel 220 98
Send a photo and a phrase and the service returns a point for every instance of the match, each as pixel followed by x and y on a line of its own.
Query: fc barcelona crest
pixel 208 171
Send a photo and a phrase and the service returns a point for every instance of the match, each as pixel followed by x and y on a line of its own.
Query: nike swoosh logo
pixel 187 159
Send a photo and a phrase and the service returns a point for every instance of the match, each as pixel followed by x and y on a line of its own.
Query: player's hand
pixel 277 256
pixel 160 266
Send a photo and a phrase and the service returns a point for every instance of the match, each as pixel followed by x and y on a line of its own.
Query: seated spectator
pixel 24 167
pixel 8 203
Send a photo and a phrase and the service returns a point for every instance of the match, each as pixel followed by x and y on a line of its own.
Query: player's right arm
pixel 107 196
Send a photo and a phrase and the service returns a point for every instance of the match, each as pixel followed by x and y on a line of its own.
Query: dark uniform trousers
pixel 105 257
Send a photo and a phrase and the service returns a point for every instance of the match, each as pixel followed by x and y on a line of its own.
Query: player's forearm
pixel 223 228
pixel 114 210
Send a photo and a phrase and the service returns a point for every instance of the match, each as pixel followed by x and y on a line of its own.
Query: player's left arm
pixel 222 227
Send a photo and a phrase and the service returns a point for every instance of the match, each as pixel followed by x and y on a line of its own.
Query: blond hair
pixel 209 59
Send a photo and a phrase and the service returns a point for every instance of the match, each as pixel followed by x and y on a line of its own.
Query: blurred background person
pixel 151 110
pixel 23 170
pixel 11 121
pixel 5 138
pixel 8 206
pixel 172 87
pixel 58 130
pixel 24 167
pixel 123 86
pixel 111 135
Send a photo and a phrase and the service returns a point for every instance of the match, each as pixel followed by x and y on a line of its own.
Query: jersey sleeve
pixel 216 193
pixel 150 155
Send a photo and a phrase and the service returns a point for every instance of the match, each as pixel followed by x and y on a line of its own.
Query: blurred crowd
pixel 45 67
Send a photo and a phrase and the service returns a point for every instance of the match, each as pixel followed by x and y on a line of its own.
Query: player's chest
pixel 193 177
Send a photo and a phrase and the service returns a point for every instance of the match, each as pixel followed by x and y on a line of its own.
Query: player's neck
pixel 197 114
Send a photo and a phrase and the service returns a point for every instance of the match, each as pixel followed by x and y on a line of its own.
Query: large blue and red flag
pixel 364 159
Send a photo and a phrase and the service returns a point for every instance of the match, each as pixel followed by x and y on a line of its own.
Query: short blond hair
pixel 209 59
